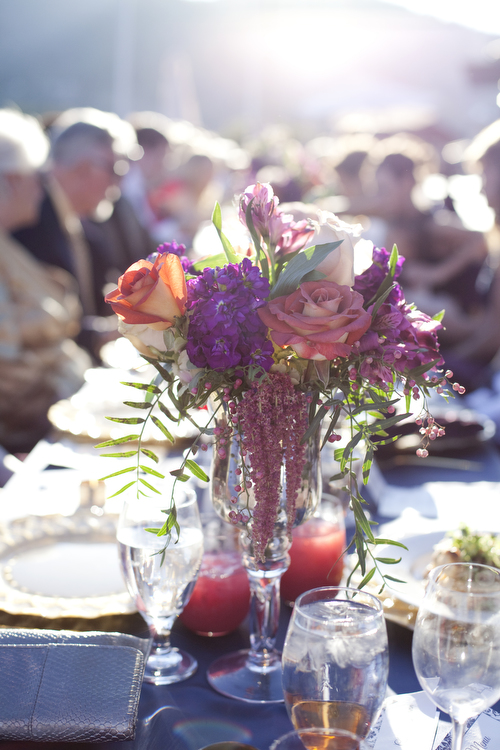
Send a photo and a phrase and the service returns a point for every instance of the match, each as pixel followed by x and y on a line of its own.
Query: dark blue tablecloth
pixel 191 715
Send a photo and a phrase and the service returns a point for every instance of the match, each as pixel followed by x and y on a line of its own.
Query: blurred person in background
pixel 39 309
pixel 184 200
pixel 475 358
pixel 78 179
pixel 148 172
pixel 442 259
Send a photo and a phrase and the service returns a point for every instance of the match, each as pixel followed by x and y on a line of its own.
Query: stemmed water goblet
pixel 161 584
pixel 456 643
pixel 335 660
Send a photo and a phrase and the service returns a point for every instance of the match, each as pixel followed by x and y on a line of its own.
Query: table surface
pixel 190 715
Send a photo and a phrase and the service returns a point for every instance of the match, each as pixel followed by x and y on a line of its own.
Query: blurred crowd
pixel 84 194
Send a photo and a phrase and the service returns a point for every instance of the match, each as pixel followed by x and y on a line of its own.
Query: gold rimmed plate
pixel 60 566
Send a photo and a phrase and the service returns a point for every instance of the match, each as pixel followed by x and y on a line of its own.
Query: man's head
pixel 84 165
pixel 23 150
pixel 484 152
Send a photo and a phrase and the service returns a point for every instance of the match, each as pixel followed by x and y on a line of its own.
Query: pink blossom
pixel 320 320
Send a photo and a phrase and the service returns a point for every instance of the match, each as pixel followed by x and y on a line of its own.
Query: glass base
pixel 232 675
pixel 166 666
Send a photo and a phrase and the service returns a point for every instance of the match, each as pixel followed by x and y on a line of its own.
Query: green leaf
pixel 361 519
pixel 228 248
pixel 165 374
pixel 439 316
pixel 149 387
pixel 396 580
pixel 196 470
pixel 179 474
pixel 299 266
pixel 261 256
pixel 337 477
pixel 337 454
pixel 164 410
pixel 416 371
pixel 213 261
pixel 118 441
pixel 149 486
pixel 117 473
pixel 124 454
pixel 154 473
pixel 331 426
pixel 149 454
pixel 349 448
pixel 163 429
pixel 138 404
pixel 380 300
pixel 314 424
pixel 367 464
pixel 127 420
pixel 314 276
pixel 387 282
pixel 123 489
pixel 393 260
pixel 391 542
pixel 388 560
pixel 368 577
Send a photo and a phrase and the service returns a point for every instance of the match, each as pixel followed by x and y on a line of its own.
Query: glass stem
pixel 264 578
pixel 159 631
pixel 457 734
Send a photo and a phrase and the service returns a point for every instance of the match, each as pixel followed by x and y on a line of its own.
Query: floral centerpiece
pixel 286 341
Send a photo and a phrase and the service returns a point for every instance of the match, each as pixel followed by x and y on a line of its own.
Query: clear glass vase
pixel 254 675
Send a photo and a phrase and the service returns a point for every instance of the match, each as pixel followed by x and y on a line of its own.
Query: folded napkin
pixel 62 686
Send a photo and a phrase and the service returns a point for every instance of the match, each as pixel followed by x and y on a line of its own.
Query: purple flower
pixel 264 203
pixel 224 328
pixel 175 249
pixel 368 282
pixel 277 228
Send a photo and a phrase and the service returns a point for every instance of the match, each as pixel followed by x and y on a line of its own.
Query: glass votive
pixel 221 597
pixel 316 558
pixel 314 738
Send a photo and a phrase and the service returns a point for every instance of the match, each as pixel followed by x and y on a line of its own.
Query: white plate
pixel 414 562
pixel 59 566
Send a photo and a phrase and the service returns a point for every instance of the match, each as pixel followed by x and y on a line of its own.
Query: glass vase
pixel 254 675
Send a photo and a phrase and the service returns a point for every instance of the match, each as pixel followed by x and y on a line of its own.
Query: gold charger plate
pixel 60 566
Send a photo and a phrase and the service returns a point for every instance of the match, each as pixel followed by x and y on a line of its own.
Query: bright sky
pixel 483 15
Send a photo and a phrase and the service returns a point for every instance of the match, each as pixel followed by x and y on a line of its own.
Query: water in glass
pixel 335 660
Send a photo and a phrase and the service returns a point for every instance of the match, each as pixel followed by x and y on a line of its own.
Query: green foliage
pixel 299 266
pixel 228 248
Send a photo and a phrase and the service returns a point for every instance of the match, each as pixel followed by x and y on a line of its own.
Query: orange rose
pixel 151 294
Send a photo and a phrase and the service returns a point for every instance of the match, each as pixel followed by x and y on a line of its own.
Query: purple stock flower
pixel 400 338
pixel 176 249
pixel 368 282
pixel 224 327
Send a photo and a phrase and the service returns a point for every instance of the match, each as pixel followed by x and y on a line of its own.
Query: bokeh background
pixel 237 65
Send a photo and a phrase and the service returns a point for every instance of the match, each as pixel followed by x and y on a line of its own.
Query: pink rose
pixel 339 264
pixel 151 294
pixel 320 320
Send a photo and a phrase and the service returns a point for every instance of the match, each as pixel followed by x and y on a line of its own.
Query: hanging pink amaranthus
pixel 272 419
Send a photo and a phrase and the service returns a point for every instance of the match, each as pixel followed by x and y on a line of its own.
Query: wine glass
pixel 456 643
pixel 335 660
pixel 161 587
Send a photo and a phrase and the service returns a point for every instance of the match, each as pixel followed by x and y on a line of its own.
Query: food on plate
pixel 464 545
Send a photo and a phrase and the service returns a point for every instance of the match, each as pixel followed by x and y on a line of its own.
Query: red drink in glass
pixel 221 597
pixel 315 557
